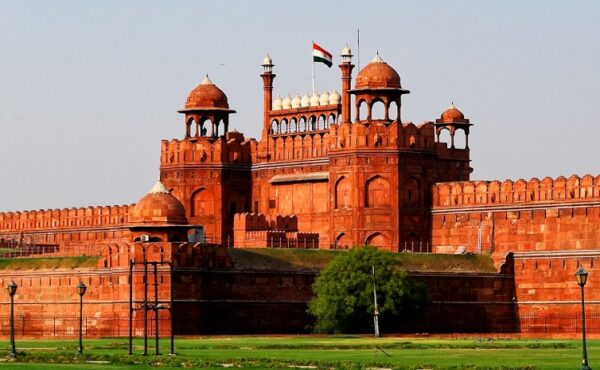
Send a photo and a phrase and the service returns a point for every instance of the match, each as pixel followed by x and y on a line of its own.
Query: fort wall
pixel 552 214
pixel 55 226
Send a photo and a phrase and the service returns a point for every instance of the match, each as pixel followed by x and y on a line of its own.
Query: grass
pixel 307 259
pixel 331 352
pixel 36 263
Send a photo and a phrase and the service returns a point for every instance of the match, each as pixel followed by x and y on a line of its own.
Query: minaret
pixel 268 76
pixel 346 68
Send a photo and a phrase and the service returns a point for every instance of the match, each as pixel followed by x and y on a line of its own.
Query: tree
pixel 343 291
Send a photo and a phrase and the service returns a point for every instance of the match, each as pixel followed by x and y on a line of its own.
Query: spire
pixel 206 81
pixel 377 58
pixel 158 188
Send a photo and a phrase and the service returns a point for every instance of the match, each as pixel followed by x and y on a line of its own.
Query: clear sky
pixel 89 88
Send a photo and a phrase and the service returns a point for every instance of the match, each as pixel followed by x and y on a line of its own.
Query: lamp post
pixel 12 289
pixel 581 275
pixel 81 290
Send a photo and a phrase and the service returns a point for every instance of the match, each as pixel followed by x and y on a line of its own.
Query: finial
pixel 207 81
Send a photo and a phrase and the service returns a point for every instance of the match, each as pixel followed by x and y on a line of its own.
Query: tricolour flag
pixel 321 55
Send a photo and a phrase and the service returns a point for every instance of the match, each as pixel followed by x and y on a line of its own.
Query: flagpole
pixel 312 58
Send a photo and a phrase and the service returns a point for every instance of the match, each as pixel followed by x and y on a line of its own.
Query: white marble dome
pixel 314 100
pixel 277 103
pixel 335 98
pixel 286 103
pixel 324 99
pixel 305 102
pixel 296 102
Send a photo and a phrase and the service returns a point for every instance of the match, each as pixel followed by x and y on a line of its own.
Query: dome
pixel 305 102
pixel 158 207
pixel 346 52
pixel 378 75
pixel 314 100
pixel 452 114
pixel 267 61
pixel 335 98
pixel 206 95
pixel 277 103
pixel 324 98
pixel 287 103
pixel 296 102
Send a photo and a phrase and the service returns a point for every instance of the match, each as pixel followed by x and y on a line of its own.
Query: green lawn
pixel 307 352
pixel 311 259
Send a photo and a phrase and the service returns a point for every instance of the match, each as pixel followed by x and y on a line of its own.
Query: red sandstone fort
pixel 330 171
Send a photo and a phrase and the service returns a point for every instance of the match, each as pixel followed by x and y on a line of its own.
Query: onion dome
pixel 305 102
pixel 158 207
pixel 286 103
pixel 346 52
pixel 377 75
pixel 206 96
pixel 277 103
pixel 335 98
pixel 452 115
pixel 267 61
pixel 324 98
pixel 296 102
pixel 314 100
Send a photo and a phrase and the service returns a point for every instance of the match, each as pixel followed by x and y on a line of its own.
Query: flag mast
pixel 312 47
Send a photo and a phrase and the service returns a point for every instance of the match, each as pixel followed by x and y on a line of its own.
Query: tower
pixel 208 170
pixel 453 120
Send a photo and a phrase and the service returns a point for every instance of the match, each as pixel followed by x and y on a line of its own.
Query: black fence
pixel 68 326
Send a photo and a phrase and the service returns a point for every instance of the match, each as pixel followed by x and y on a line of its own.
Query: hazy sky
pixel 88 89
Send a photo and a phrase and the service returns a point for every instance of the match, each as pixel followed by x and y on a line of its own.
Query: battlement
pixel 255 230
pixel 64 218
pixel 482 193
pixel 232 148
pixel 380 133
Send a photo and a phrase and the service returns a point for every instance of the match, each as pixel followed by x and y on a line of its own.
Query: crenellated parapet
pixel 66 218
pixel 231 148
pixel 256 230
pixel 482 193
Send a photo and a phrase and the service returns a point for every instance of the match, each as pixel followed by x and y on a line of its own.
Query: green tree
pixel 343 299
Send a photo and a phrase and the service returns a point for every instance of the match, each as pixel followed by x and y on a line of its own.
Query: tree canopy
pixel 344 301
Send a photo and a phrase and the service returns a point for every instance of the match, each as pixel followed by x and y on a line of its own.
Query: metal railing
pixel 27 326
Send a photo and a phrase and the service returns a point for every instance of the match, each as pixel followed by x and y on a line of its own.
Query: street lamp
pixel 581 275
pixel 12 289
pixel 81 290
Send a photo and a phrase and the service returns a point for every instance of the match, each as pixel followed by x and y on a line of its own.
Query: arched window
pixel 362 110
pixel 393 111
pixel 274 127
pixel 330 120
pixel 284 126
pixel 377 192
pixel 293 125
pixel 342 193
pixel 460 139
pixel 377 110
pixel 445 137
pixel 321 122
pixel 205 127
pixel 302 124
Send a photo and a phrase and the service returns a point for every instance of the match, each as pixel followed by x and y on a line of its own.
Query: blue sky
pixel 88 89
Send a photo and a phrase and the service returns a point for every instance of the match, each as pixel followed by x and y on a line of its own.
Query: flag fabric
pixel 321 55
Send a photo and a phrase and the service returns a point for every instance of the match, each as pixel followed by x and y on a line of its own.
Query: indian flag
pixel 321 55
